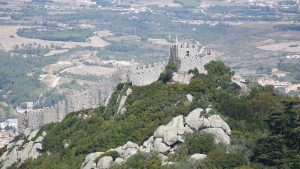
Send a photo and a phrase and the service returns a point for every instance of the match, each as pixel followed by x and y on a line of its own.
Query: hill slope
pixel 265 126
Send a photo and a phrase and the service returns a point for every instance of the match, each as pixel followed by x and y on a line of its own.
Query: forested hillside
pixel 265 126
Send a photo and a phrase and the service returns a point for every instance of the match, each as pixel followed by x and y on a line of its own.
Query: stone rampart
pixel 141 75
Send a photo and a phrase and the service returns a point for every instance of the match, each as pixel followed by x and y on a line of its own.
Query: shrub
pixel 219 158
pixel 200 143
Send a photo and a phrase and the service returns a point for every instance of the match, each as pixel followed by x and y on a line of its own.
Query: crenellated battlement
pixel 189 56
pixel 141 75
pixel 145 67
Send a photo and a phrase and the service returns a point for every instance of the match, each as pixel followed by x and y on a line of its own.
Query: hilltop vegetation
pixel 265 126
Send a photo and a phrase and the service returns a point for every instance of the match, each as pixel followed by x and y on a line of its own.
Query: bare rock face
pixel 27 148
pixel 193 119
pixel 23 149
pixel 105 162
pixel 20 142
pixel 27 132
pixel 219 135
pixel 32 134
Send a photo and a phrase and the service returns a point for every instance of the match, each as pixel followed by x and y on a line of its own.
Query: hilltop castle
pixel 186 55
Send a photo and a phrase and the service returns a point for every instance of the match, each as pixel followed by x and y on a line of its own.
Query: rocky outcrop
pixel 105 162
pixel 127 150
pixel 89 161
pixel 166 138
pixel 239 82
pixel 193 119
pixel 122 108
pixel 18 152
pixel 215 121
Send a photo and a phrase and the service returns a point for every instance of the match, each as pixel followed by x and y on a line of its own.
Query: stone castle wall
pixel 187 56
pixel 34 119
pixel 146 74
pixel 76 101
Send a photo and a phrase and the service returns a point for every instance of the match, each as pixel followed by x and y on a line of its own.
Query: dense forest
pixel 265 125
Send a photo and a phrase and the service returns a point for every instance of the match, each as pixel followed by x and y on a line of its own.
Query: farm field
pixel 9 39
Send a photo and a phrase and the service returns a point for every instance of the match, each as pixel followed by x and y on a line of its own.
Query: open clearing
pixel 9 39
pixel 285 47
pixel 163 42
pixel 50 81
pixel 90 70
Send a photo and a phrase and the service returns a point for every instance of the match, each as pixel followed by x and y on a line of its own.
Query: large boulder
pixel 198 156
pixel 147 145
pixel 159 132
pixel 193 119
pixel 204 123
pixel 89 161
pixel 105 162
pixel 216 121
pixel 170 135
pixel 127 149
pixel 188 129
pixel 171 130
pixel 189 97
pixel 159 146
pixel 219 135
pixel 178 124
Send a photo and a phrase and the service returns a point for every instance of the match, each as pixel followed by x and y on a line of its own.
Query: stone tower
pixel 189 56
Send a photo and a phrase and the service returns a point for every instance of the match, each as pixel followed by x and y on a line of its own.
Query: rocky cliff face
pixel 166 138
pixel 30 146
